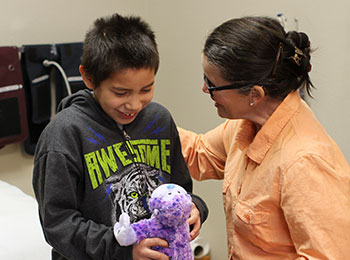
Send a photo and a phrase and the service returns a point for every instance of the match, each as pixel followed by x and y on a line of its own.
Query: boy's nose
pixel 134 104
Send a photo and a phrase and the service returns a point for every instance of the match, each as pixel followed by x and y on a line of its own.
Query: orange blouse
pixel 286 189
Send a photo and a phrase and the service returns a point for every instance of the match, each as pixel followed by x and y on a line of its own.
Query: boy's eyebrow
pixel 122 88
pixel 150 84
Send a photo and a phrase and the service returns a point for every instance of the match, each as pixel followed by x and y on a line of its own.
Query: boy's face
pixel 125 93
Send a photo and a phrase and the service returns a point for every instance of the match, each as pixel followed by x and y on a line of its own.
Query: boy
pixel 108 148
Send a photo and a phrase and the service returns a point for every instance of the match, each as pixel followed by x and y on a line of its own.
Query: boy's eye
pixel 119 93
pixel 147 89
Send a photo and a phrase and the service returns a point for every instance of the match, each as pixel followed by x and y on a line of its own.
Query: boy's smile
pixel 125 93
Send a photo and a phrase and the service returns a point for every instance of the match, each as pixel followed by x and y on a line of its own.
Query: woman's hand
pixel 143 250
pixel 195 221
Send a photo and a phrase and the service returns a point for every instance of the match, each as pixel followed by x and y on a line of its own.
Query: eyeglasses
pixel 211 87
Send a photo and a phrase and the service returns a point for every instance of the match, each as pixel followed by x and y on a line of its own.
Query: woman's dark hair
pixel 257 51
pixel 115 43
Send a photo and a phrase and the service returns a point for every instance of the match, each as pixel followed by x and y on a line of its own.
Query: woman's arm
pixel 205 154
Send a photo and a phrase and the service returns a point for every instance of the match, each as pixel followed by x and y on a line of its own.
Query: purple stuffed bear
pixel 171 207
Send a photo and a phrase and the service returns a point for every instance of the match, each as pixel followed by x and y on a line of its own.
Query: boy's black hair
pixel 118 42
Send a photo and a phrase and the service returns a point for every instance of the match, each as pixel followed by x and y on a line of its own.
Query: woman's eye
pixel 134 195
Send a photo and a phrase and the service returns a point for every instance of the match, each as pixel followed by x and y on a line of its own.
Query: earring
pixel 252 104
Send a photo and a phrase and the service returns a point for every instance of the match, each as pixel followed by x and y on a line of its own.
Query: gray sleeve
pixel 201 206
pixel 55 183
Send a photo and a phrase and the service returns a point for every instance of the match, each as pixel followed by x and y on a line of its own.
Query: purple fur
pixel 169 222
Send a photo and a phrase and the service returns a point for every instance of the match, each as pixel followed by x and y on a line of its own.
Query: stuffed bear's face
pixel 170 204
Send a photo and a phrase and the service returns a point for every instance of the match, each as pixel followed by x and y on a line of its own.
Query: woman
pixel 286 183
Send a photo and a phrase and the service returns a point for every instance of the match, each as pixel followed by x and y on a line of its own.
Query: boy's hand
pixel 143 250
pixel 194 221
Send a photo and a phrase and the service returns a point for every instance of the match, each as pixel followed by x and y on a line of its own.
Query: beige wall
pixel 181 27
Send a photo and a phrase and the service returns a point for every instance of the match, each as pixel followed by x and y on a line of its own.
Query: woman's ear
pixel 257 93
pixel 86 79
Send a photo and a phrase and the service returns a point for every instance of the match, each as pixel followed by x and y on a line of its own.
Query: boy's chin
pixel 124 121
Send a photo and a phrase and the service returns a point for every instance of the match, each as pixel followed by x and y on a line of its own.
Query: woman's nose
pixel 205 89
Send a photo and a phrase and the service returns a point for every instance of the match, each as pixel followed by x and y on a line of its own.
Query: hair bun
pixel 299 40
pixel 299 45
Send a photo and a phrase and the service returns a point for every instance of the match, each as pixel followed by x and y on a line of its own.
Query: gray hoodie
pixel 87 170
